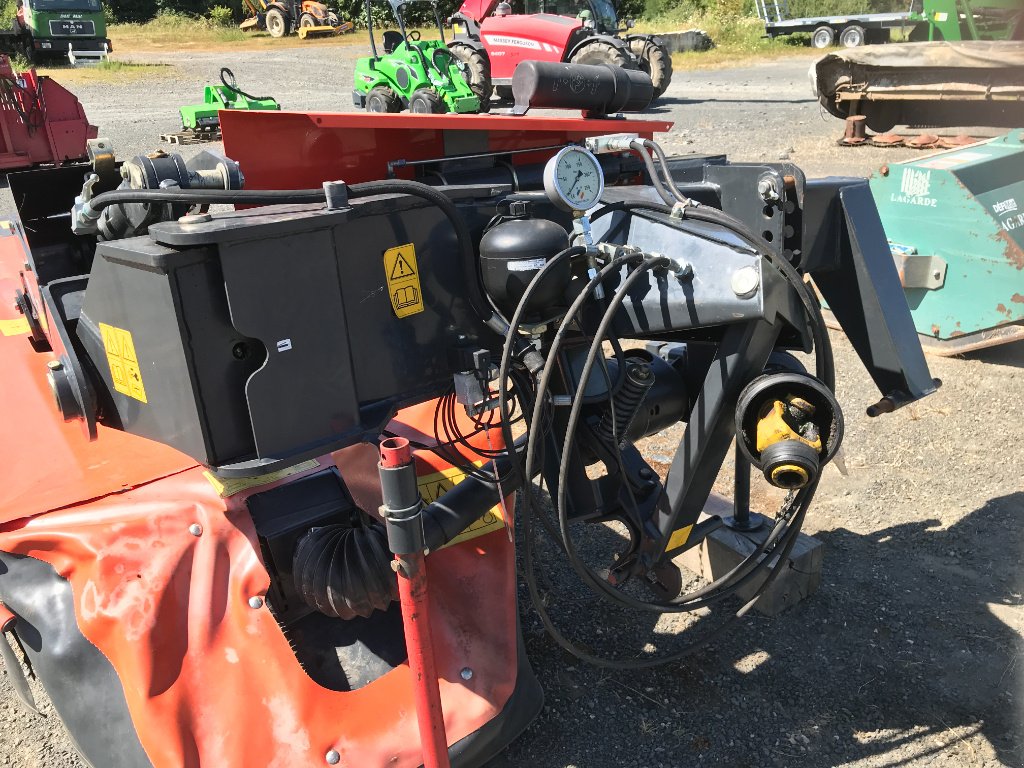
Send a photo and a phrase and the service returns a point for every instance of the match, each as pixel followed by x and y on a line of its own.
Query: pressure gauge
pixel 573 179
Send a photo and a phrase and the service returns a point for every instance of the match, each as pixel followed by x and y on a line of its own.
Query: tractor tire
pixel 332 19
pixel 308 20
pixel 852 37
pixel 477 72
pixel 427 102
pixel 655 60
pixel 600 52
pixel 381 99
pixel 823 37
pixel 277 22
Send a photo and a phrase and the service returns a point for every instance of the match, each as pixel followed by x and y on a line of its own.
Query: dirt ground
pixel 910 652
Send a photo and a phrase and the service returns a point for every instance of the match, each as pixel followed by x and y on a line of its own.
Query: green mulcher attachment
pixel 203 118
pixel 421 75
pixel 955 223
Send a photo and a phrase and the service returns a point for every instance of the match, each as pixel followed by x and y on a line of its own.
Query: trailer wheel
pixel 427 102
pixel 655 61
pixel 600 52
pixel 477 72
pixel 382 99
pixel 852 37
pixel 823 37
pixel 277 23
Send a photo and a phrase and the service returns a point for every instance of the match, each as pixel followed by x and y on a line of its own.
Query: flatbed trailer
pixel 924 20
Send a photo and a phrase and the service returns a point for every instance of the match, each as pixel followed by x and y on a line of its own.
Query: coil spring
pixel 627 401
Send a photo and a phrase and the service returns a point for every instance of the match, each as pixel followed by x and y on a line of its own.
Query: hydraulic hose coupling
pixel 402 503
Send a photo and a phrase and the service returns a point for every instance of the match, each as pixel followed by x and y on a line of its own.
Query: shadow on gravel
pixel 1004 354
pixel 903 656
pixel 675 101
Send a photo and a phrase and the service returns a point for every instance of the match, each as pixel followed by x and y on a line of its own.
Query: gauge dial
pixel 573 179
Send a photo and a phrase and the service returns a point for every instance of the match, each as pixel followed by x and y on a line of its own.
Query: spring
pixel 627 401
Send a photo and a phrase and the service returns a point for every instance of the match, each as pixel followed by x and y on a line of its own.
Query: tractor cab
pixel 599 15
pixel 407 71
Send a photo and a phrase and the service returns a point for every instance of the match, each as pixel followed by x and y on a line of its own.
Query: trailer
pixel 924 20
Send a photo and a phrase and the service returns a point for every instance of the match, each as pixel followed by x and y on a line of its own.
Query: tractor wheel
pixel 823 37
pixel 504 92
pixel 308 20
pixel 477 72
pixel 655 61
pixel 381 99
pixel 600 52
pixel 427 102
pixel 332 19
pixel 852 37
pixel 277 22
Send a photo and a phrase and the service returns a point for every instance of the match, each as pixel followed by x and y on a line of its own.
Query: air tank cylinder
pixel 597 89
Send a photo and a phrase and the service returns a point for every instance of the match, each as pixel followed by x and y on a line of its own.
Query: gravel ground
pixel 909 653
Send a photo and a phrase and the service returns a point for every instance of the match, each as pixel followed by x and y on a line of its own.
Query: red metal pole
pixel 402 506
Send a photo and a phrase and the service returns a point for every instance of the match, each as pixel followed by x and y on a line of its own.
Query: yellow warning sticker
pixel 678 537
pixel 437 484
pixel 403 278
pixel 229 487
pixel 15 327
pixel 124 364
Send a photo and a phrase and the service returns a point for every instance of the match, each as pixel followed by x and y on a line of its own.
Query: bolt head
pixel 255 602
pixel 466 673
pixel 332 757
pixel 745 282
pixel 195 529
pixel 54 365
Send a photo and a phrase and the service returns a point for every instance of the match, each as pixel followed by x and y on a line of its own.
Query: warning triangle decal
pixel 402 268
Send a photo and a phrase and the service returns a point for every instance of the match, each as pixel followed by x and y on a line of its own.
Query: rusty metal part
pixel 924 141
pixel 924 83
pixel 855 133
pixel 954 142
pixel 887 140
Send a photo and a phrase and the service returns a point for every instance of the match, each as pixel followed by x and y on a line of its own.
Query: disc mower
pixel 423 76
pixel 268 512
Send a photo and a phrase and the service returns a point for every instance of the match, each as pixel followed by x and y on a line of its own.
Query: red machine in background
pixel 492 40
pixel 41 121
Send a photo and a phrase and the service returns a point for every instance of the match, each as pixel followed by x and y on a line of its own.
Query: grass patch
pixel 104 72
pixel 176 31
pixel 738 40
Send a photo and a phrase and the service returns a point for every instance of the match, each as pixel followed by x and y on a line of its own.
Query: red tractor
pixel 491 40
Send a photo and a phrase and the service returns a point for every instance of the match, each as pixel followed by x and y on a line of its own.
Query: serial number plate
pixel 72 27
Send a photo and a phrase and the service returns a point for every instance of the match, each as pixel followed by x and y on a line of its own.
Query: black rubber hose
pixel 469 500
pixel 207 197
pixel 723 586
pixel 663 193
pixel 228 78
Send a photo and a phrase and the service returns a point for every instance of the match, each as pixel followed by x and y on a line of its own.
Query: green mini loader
pixel 421 75
pixel 205 118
